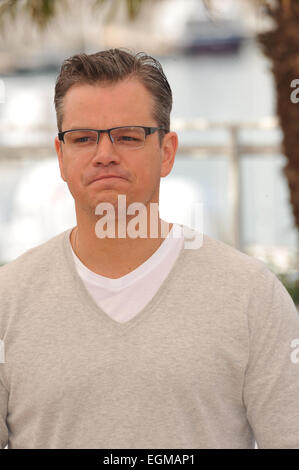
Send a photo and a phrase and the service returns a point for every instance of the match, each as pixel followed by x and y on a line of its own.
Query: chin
pixel 107 197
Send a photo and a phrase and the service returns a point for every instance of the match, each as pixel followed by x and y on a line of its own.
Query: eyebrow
pixel 86 127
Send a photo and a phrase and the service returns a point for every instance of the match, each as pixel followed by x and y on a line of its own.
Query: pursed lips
pixel 105 177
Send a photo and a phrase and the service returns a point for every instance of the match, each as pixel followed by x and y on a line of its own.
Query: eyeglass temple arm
pixel 151 130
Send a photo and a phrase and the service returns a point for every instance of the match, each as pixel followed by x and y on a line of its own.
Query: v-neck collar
pixel 87 300
pixel 116 284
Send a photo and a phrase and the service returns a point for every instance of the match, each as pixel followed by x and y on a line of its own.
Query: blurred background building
pixel 230 156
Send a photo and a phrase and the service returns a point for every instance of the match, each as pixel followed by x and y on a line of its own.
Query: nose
pixel 105 152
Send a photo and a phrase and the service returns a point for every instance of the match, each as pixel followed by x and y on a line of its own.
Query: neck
pixel 115 257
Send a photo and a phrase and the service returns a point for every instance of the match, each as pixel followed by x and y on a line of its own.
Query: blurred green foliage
pixel 42 12
pixel 292 286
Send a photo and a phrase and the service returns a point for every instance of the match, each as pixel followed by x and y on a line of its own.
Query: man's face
pixel 126 103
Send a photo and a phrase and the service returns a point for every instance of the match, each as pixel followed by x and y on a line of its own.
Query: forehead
pixel 107 105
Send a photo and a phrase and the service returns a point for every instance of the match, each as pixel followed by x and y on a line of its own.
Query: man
pixel 138 342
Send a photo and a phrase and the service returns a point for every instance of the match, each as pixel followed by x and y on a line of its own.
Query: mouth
pixel 107 178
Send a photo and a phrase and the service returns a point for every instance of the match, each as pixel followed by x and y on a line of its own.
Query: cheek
pixel 148 172
pixel 73 172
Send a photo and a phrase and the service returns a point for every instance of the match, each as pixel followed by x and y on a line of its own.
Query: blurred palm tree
pixel 42 12
pixel 280 45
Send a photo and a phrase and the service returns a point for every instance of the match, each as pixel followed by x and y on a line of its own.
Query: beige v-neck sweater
pixel 207 363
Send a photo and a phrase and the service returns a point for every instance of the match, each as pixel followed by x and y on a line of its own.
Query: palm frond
pixel 8 11
pixel 42 12
pixel 133 8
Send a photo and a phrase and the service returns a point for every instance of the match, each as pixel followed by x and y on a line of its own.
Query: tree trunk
pixel 281 45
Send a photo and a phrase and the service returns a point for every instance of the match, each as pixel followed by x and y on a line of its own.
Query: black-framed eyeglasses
pixel 86 140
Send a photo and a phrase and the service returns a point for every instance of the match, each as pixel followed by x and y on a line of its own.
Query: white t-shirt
pixel 124 297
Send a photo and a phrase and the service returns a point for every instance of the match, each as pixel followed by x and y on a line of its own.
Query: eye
pixel 127 138
pixel 82 139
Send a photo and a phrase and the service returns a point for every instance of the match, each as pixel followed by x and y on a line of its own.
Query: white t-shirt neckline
pixel 173 243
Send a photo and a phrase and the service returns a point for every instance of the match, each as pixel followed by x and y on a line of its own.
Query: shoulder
pixel 220 256
pixel 223 268
pixel 32 262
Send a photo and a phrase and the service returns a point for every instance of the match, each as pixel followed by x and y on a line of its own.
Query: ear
pixel 58 148
pixel 168 147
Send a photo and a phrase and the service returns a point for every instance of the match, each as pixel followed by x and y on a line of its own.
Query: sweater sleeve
pixel 271 382
pixel 3 413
